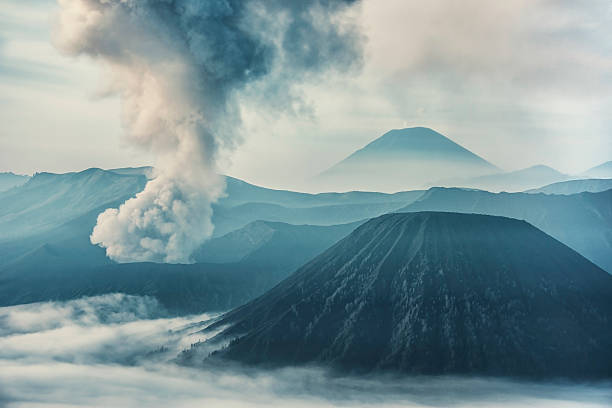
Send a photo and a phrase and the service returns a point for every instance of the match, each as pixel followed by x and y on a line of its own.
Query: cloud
pixel 520 83
pixel 114 328
pixel 116 350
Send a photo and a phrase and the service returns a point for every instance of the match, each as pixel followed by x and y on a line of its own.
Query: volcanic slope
pixel 433 293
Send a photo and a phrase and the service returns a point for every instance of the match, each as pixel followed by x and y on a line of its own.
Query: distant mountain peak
pixel 403 159
pixel 411 138
pixel 416 140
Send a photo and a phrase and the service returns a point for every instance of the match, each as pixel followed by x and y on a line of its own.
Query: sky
pixel 519 83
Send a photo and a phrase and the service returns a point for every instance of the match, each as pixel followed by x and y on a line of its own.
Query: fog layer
pixel 118 350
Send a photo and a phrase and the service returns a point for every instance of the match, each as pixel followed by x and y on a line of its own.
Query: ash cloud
pixel 180 68
pixel 118 350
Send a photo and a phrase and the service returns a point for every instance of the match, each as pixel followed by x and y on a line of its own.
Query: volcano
pixel 403 159
pixel 434 293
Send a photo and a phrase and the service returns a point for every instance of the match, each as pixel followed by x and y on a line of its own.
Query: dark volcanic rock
pixel 435 293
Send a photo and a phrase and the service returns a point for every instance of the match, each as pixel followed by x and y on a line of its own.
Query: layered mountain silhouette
pixel 246 203
pixel 604 170
pixel 48 200
pixel 227 219
pixel 512 181
pixel 9 180
pixel 433 293
pixel 403 159
pixel 267 243
pixel 582 221
pixel 575 187
pixel 240 192
pixel 60 210
pixel 230 270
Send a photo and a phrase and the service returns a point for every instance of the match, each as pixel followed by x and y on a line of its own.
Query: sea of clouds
pixel 120 351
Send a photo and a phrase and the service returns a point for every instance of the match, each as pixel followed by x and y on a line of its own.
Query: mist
pixel 118 350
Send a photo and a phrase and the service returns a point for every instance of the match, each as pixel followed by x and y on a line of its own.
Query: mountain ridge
pixel 511 181
pixel 574 187
pixel 9 180
pixel 427 140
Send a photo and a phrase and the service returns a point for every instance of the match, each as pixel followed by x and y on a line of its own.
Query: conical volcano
pixel 403 159
pixel 435 293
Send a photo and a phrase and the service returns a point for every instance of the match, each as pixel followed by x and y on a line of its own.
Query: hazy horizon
pixel 528 91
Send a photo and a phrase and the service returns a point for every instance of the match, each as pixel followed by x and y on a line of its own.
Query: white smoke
pixel 178 66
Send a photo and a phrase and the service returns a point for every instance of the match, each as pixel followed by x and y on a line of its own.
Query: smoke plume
pixel 180 68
